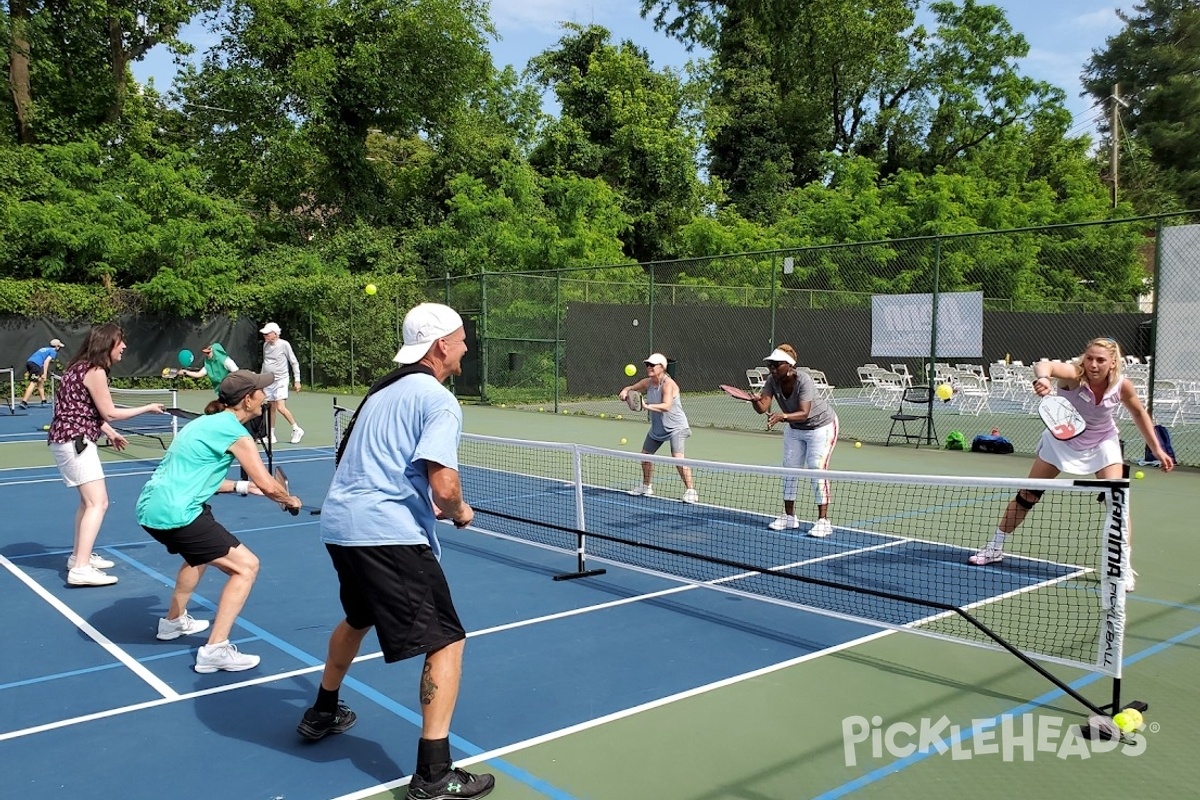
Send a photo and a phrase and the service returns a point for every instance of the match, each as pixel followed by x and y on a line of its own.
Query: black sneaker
pixel 455 783
pixel 22 404
pixel 319 724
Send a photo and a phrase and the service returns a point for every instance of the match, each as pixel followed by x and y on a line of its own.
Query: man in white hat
pixel 396 474
pixel 278 357
pixel 37 370
pixel 668 422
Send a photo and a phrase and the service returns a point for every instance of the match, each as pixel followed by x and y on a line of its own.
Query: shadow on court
pixel 265 717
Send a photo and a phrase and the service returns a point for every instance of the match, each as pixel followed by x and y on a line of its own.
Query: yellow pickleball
pixel 630 370
pixel 370 288
pixel 1139 474
pixel 624 440
pixel 858 444
pixel 944 392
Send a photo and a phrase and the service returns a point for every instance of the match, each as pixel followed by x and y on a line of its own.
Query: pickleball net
pixel 154 426
pixel 8 379
pixel 897 557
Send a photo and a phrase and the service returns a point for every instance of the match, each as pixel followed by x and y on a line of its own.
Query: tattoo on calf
pixel 428 687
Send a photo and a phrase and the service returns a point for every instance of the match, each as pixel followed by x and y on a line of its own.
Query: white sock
pixel 998 539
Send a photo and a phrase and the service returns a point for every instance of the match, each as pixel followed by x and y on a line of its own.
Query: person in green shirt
pixel 173 508
pixel 217 364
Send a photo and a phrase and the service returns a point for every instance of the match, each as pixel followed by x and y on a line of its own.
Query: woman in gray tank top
pixel 668 422
pixel 809 435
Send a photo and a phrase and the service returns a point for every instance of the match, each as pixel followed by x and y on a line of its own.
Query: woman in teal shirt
pixel 173 508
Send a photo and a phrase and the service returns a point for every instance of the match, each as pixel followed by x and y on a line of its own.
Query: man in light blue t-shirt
pixel 37 370
pixel 396 475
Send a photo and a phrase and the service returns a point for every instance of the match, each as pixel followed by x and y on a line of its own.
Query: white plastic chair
pixel 972 394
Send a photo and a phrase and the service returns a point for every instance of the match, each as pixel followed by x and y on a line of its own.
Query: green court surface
pixel 779 734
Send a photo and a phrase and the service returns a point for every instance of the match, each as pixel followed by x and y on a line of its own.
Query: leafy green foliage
pixel 627 124
pixel 1155 63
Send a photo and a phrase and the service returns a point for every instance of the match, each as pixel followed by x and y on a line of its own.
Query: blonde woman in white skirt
pixel 1095 387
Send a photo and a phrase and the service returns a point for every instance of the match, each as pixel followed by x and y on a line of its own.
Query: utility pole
pixel 1115 128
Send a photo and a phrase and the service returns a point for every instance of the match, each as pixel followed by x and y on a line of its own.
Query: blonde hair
pixel 791 351
pixel 1114 353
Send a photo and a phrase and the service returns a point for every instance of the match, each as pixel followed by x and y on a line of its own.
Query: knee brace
pixel 1024 502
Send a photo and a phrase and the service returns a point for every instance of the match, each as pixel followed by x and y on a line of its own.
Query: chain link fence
pixel 559 341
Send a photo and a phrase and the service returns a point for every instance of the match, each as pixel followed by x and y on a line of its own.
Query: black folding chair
pixel 916 406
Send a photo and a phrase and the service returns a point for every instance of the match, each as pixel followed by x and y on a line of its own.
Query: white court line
pixel 100 639
pixel 628 712
pixel 372 656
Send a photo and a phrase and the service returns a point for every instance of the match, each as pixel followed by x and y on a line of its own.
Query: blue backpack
pixel 1164 439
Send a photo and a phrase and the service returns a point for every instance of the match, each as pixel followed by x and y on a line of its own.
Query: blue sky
pixel 1061 34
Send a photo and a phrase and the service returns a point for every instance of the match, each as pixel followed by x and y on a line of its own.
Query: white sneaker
pixel 642 489
pixel 784 522
pixel 210 658
pixel 297 434
pixel 96 560
pixel 821 528
pixel 988 555
pixel 169 629
pixel 690 496
pixel 89 576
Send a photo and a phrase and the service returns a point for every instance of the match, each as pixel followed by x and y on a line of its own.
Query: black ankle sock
pixel 327 700
pixel 433 759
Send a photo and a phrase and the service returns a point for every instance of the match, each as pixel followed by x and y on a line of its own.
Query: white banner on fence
pixel 1177 348
pixel 900 325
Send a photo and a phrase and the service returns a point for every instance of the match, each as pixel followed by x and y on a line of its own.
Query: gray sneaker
pixel 223 656
pixel 454 784
pixel 169 629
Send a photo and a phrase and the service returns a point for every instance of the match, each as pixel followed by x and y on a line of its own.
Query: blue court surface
pixel 95 706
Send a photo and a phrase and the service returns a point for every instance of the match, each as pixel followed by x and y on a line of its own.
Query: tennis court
pixel 640 682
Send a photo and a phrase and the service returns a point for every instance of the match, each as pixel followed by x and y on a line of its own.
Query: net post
pixel 581 570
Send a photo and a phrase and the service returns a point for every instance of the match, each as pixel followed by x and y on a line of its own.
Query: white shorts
pixel 77 468
pixel 1078 462
pixel 279 389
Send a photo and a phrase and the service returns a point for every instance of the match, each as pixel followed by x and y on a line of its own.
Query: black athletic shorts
pixel 401 590
pixel 33 371
pixel 200 542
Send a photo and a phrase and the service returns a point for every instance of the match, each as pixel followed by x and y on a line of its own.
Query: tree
pixel 626 123
pixel 1155 62
pixel 303 84
pixel 69 59
pixel 852 78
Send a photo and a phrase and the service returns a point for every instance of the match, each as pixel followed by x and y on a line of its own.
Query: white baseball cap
pixel 424 325
pixel 656 358
pixel 270 327
pixel 779 355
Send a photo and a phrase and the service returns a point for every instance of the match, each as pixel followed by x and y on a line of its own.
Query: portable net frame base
pixel 897 559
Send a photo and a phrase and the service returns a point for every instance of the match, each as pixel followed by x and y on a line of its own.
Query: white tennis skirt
pixel 77 468
pixel 1078 462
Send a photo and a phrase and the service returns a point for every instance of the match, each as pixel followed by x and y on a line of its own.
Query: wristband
pixel 242 487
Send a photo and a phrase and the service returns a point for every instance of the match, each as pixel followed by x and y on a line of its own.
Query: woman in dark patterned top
pixel 83 410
